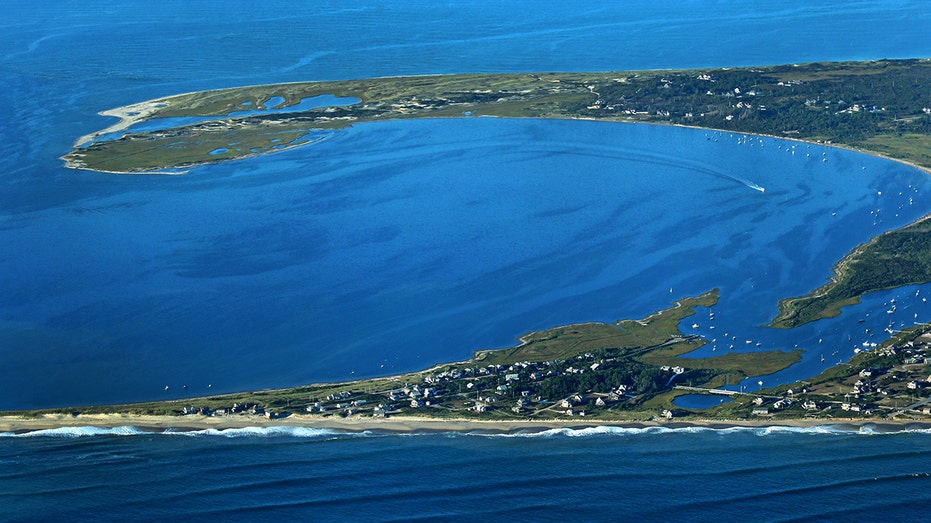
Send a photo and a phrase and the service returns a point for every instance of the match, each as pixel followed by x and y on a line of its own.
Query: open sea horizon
pixel 389 247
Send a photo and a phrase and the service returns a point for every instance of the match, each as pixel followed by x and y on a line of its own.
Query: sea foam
pixel 595 431
pixel 773 430
pixel 77 432
pixel 265 432
pixel 244 432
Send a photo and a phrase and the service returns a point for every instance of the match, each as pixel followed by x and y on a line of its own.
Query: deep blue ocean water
pixel 389 247
pixel 600 474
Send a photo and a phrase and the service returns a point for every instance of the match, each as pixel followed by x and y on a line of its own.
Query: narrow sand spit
pixel 128 115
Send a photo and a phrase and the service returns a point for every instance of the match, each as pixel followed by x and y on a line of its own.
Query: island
pixel 630 371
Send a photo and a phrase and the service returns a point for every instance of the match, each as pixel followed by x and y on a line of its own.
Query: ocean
pixel 391 246
pixel 600 474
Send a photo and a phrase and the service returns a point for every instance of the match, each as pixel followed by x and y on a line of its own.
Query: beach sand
pixel 412 424
pixel 128 115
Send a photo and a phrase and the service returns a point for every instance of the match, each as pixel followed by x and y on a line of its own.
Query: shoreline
pixel 18 425
pixel 394 104
pixel 127 121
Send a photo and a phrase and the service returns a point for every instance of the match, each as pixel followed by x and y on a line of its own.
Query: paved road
pixel 913 406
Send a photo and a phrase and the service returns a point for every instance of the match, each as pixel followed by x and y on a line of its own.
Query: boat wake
pixel 653 158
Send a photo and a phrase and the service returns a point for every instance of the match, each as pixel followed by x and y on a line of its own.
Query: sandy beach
pixel 128 115
pixel 412 424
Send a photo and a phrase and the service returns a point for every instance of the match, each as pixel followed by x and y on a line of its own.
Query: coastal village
pixel 890 381
pixel 516 390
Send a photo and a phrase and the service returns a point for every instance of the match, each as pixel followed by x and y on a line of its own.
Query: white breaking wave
pixel 245 432
pixel 779 429
pixel 590 431
pixel 601 430
pixel 264 432
pixel 77 432
pixel 867 430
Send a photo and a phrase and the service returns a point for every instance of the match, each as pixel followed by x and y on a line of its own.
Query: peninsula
pixel 881 107
pixel 628 373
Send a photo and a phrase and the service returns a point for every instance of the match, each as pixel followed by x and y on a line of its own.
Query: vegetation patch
pixel 896 258
pixel 634 336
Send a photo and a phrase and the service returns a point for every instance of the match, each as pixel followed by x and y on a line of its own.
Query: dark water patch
pixel 251 250
pixel 785 499
pixel 904 508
